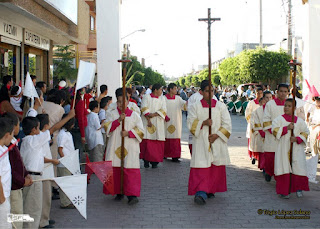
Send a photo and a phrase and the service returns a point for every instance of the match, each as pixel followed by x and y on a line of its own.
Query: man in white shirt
pixel 149 90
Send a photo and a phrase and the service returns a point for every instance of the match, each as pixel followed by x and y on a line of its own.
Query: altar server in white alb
pixel 208 171
pixel 131 105
pixel 154 111
pixel 314 122
pixel 258 132
pixel 274 108
pixel 173 124
pixel 133 134
pixel 252 106
pixel 281 129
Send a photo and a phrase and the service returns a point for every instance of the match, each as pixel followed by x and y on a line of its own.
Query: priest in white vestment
pixel 154 112
pixel 173 124
pixel 133 134
pixel 208 172
pixel 290 177
pixel 273 109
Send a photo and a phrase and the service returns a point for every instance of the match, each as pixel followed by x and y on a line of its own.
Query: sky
pixel 175 42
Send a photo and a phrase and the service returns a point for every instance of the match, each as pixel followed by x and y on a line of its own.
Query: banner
pixel 86 73
pixel 71 162
pixel 75 188
pixel 29 89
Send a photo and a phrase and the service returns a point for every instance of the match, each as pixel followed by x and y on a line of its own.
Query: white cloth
pixel 154 105
pixel 312 167
pixel 16 102
pixel 174 126
pixel 75 188
pixel 65 140
pixel 102 116
pixel 93 132
pixel 314 133
pixel 148 91
pixel 252 106
pixel 31 113
pixel 32 152
pixel 71 162
pixel 271 111
pixel 5 172
pixel 48 172
pixel 4 211
pixel 221 125
pixel 257 124
pixel 131 145
pixel 281 161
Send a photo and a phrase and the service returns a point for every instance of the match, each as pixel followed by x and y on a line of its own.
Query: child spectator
pixel 16 99
pixel 65 147
pixel 104 103
pixel 6 135
pixel 94 134
pixel 33 155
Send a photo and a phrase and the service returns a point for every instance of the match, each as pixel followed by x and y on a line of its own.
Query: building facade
pixel 30 28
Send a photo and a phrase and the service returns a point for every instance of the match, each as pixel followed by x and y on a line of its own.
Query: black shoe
pixel 199 200
pixel 154 166
pixel 253 161
pixel 132 200
pixel 51 221
pixel 146 164
pixel 267 177
pixel 210 195
pixel 119 197
pixel 48 226
pixel 176 160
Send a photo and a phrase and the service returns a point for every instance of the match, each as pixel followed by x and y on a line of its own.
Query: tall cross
pixel 209 20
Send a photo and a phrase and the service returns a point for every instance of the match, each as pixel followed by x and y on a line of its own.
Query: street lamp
pixel 139 30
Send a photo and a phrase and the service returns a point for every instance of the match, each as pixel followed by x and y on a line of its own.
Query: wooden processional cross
pixel 209 20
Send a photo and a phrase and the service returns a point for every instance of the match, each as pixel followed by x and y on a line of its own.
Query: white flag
pixel 71 162
pixel 86 73
pixel 75 188
pixel 29 89
pixel 48 172
pixel 312 164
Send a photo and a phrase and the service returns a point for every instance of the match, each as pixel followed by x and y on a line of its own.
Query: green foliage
pixel 258 65
pixel 138 75
pixel 196 80
pixel 32 65
pixel 63 63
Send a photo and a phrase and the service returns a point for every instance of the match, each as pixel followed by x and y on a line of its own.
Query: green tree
pixel 182 81
pixel 196 81
pixel 229 71
pixel 63 62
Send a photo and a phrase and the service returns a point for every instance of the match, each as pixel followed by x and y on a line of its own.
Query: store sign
pixel 10 30
pixel 33 39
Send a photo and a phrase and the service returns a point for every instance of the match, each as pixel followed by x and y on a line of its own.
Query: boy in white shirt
pixel 33 156
pixel 65 147
pixel 94 134
pixel 6 135
pixel 104 103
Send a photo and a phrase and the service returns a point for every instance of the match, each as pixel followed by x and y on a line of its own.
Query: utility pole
pixel 289 28
pixel 260 4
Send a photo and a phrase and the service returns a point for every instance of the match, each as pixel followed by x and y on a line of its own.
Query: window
pixel 92 23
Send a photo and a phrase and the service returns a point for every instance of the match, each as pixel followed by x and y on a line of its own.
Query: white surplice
pixel 281 162
pixel 256 123
pixel 252 106
pixel 217 154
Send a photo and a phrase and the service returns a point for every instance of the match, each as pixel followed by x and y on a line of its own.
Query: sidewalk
pixel 164 202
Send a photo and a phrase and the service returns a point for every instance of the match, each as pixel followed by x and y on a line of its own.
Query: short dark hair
pixel 6 126
pixel 40 84
pixel 14 90
pixel 120 93
pixel 317 98
pixel 104 101
pixel 12 117
pixel 33 77
pixel 68 125
pixel 28 123
pixel 6 79
pixel 283 85
pixel 109 98
pixel 56 96
pixel 259 89
pixel 204 84
pixel 266 93
pixel 171 86
pixel 43 119
pixel 103 88
pixel 291 101
pixel 129 90
pixel 156 86
pixel 93 104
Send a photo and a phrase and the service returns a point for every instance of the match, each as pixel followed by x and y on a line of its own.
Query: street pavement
pixel 250 201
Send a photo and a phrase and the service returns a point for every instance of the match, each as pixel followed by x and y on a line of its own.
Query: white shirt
pixel 65 141
pixel 102 116
pixel 93 132
pixel 149 91
pixel 5 172
pixel 32 152
pixel 48 172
